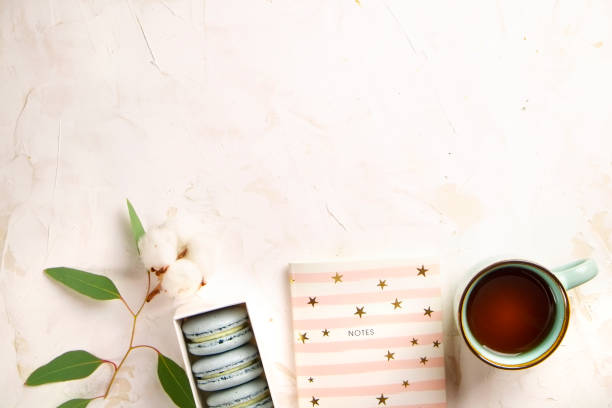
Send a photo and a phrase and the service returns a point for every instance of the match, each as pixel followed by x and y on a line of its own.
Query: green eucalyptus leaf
pixel 71 365
pixel 174 381
pixel 75 403
pixel 89 284
pixel 137 229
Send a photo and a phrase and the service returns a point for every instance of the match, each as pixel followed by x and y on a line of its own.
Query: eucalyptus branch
pixel 78 364
pixel 131 345
pixel 146 346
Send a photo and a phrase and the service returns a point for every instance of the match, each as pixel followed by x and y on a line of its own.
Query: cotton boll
pixel 182 279
pixel 185 227
pixel 158 248
pixel 200 252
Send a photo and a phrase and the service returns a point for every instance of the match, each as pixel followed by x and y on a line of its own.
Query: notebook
pixel 368 334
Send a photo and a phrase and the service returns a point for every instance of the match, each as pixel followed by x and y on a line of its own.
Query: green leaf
pixel 89 284
pixel 137 229
pixel 71 365
pixel 75 403
pixel 174 381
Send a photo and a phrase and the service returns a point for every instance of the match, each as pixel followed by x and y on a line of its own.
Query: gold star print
pixel 428 311
pixel 424 360
pixel 310 379
pixel 291 281
pixel 422 270
pixel 314 401
pixel 390 355
pixel 382 284
pixel 337 278
pixel 397 304
pixel 312 301
pixel 303 337
pixel 325 332
pixel 436 343
pixel 360 311
pixel 405 383
pixel 414 341
pixel 382 399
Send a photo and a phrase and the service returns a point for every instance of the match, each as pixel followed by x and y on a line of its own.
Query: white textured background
pixel 300 131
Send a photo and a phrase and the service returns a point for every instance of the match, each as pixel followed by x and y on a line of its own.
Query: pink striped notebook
pixel 368 334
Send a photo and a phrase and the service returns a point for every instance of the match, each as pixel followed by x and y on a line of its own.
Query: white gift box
pixel 210 299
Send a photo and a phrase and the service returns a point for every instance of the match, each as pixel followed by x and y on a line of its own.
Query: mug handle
pixel 576 273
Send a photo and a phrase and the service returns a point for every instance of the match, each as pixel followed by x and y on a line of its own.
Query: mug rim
pixel 548 351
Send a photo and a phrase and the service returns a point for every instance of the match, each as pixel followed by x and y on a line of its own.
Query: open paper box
pixel 206 302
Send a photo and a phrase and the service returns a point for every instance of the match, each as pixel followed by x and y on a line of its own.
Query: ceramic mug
pixel 558 281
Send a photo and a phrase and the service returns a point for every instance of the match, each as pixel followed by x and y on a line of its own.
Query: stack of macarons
pixel 230 366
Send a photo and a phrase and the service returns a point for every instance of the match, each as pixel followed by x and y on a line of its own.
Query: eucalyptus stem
pixel 111 363
pixel 127 306
pixel 146 346
pixel 131 345
pixel 144 301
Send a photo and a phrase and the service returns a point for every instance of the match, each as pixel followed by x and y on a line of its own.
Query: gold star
pixel 382 284
pixel 424 360
pixel 310 379
pixel 291 281
pixel 303 337
pixel 337 278
pixel 428 311
pixel 314 401
pixel 360 311
pixel 436 343
pixel 382 399
pixel 325 332
pixel 405 383
pixel 414 341
pixel 422 270
pixel 397 304
pixel 312 301
pixel 390 355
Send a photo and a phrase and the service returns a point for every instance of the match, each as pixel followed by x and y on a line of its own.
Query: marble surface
pixel 300 131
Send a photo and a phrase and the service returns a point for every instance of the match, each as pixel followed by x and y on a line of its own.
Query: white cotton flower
pixel 184 226
pixel 180 252
pixel 182 279
pixel 158 248
pixel 200 252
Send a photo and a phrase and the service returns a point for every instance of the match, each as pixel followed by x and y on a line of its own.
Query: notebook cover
pixel 368 334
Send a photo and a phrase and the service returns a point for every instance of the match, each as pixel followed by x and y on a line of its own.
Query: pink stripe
pixel 367 367
pixel 363 344
pixel 352 276
pixel 342 322
pixel 374 390
pixel 381 296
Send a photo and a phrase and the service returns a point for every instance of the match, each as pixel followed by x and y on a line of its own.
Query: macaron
pixel 227 369
pixel 217 331
pixel 254 394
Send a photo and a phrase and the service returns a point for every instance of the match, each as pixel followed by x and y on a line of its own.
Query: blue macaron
pixel 228 369
pixel 254 394
pixel 217 331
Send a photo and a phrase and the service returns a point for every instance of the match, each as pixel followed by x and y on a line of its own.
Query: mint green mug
pixel 557 281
